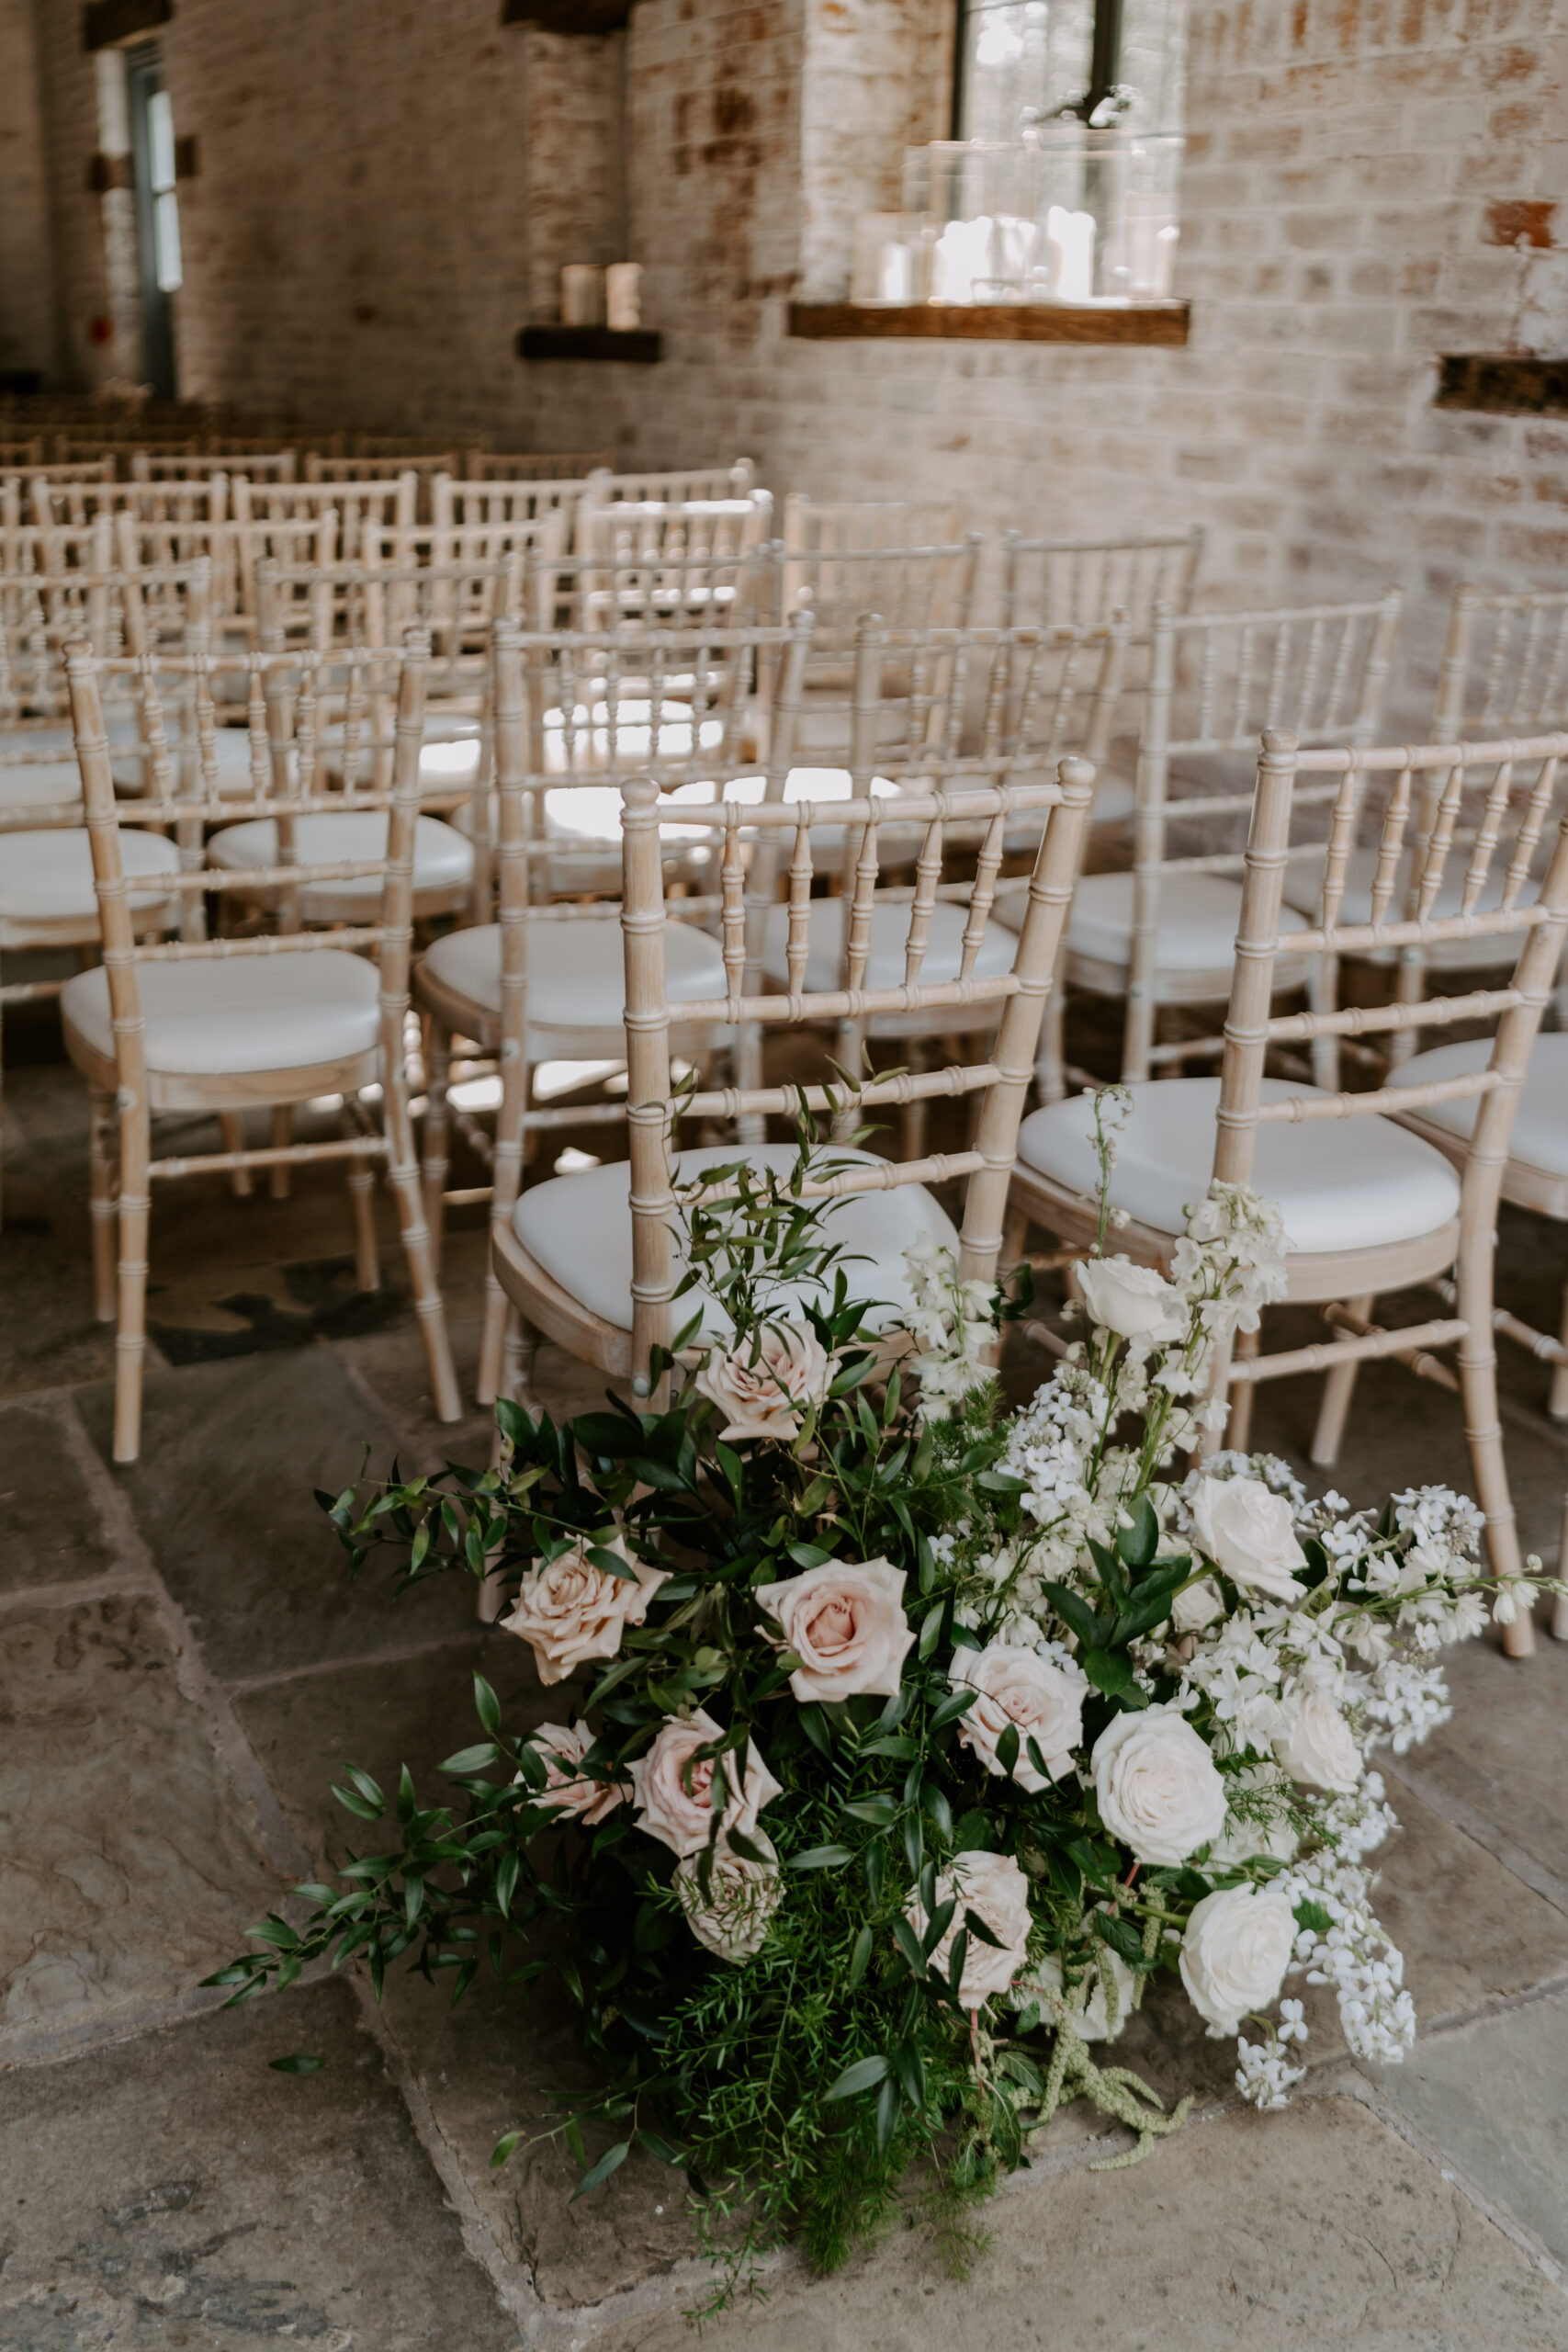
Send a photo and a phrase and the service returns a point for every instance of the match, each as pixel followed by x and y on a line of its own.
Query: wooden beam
pixel 641 346
pixel 1164 324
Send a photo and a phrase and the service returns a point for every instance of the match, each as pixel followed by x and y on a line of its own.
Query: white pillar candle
pixel 1069 244
pixel 622 296
pixel 581 295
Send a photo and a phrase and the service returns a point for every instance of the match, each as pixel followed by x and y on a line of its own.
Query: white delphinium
pixel 954 1326
pixel 1401 1704
pixel 1265 2076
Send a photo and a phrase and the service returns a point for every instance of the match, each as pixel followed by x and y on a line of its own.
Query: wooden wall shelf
pixel 1163 324
pixel 1505 385
pixel 640 345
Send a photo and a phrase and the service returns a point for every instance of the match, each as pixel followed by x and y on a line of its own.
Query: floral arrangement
pixel 901 1741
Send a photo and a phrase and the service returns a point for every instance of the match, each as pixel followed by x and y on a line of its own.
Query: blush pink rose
pixel 564 1788
pixel 572 1611
pixel 674 1796
pixel 1020 1687
pixel 761 1386
pixel 845 1622
pixel 994 1888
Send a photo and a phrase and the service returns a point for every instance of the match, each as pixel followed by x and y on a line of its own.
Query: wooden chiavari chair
pixel 1159 937
pixel 1367 1206
pixel 591 1259
pixel 221 1024
pixel 1082 582
pixel 568 465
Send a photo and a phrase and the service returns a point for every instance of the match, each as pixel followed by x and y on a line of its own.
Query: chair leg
pixel 1015 1240
pixel 1557 1403
pixel 752 1127
pixel 282 1175
pixel 1559 1612
pixel 437 1077
pixel 1484 1429
pixel 1238 1427
pixel 232 1130
pixel 1339 1387
pixel 520 1346
pixel 130 1340
pixel 362 1201
pixel 403 1174
pixel 102 1153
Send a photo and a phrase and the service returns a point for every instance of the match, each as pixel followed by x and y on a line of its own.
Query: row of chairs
pixel 1459 832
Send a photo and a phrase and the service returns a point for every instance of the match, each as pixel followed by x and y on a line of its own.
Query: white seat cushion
pixel 576 971
pixel 48 876
pixel 1198 918
pixel 889 930
pixel 212 1019
pixel 442 860
pixel 579 1228
pixel 39 784
pixel 1540 1123
pixel 1340 1184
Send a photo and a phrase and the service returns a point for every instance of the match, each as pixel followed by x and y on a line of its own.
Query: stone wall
pixel 385 195
pixel 27 271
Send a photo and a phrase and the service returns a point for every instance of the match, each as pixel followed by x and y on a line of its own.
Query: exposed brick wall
pixel 27 258
pixel 386 195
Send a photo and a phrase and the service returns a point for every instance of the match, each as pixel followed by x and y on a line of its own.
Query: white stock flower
pixel 1247 1532
pixel 1316 1745
pixel 570 1609
pixel 762 1385
pixel 994 1888
pixel 1236 1948
pixel 845 1622
pixel 1132 1301
pixel 674 1795
pixel 732 1919
pixel 1043 1700
pixel 1095 2021
pixel 1158 1786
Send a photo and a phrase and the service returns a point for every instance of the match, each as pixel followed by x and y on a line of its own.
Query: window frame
pixel 1105 59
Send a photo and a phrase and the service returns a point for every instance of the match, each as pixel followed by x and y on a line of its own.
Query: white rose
pixel 1094 2022
pixel 1196 1607
pixel 674 1795
pixel 1020 1687
pixel 760 1386
pixel 1248 1839
pixel 564 1788
pixel 1133 1302
pixel 733 1917
pixel 1158 1788
pixel 1247 1531
pixel 845 1622
pixel 995 1890
pixel 1316 1745
pixel 572 1610
pixel 1235 1953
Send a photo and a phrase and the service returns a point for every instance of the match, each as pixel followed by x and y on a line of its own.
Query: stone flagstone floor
pixel 184 1666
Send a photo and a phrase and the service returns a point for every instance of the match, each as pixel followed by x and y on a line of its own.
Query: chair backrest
pixel 502 499
pixel 22 457
pixel 1084 581
pixel 1217 682
pixel 112 612
pixel 258 465
pixel 374 469
pixel 663 564
pixel 353 504
pixel 292 775
pixel 1002 1073
pixel 566 465
pixel 738 479
pixel 1461 880
pixel 66 494
pixel 1504 666
pixel 538 543
pixel 813 525
pixel 909 586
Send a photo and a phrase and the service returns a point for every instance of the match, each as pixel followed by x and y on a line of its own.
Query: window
pixel 1024 64
pixel 165 204
pixel 157 212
